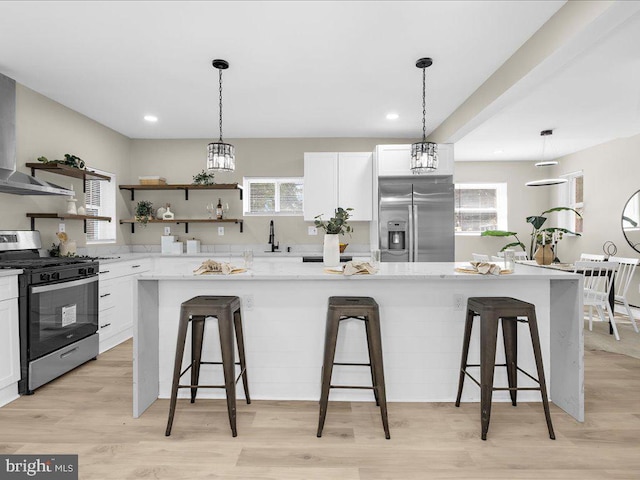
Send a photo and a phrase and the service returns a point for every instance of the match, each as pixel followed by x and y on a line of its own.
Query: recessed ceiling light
pixel 392 116
pixel 499 151
pixel 151 118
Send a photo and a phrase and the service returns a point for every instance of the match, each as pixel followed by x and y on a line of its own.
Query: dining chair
pixel 598 279
pixel 480 257
pixel 626 269
pixel 591 257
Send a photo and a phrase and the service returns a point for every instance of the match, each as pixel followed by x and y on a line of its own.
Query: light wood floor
pixel 88 412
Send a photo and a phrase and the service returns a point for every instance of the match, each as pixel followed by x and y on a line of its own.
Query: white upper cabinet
pixel 394 160
pixel 333 180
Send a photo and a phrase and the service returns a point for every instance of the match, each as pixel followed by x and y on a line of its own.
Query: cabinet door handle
pixel 105 295
pixel 105 271
pixel 135 266
pixel 105 325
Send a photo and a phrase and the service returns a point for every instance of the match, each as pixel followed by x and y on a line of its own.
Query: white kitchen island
pixel 422 307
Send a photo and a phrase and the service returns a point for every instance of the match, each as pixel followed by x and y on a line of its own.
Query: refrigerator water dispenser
pixel 397 233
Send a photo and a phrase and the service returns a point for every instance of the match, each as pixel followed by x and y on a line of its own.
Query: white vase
pixel 331 250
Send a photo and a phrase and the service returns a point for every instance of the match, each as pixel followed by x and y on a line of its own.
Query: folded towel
pixel 211 266
pixel 359 268
pixel 486 268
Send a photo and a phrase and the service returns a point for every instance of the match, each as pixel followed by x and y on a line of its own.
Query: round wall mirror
pixel 631 221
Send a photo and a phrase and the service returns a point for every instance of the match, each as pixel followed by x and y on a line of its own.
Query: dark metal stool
pixel 227 310
pixel 365 309
pixel 491 310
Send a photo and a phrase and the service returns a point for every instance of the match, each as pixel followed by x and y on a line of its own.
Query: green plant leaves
pixel 497 233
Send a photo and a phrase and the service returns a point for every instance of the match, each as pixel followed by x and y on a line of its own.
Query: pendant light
pixel 424 155
pixel 220 155
pixel 546 163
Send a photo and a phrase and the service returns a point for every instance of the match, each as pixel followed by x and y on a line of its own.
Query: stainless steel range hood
pixel 11 181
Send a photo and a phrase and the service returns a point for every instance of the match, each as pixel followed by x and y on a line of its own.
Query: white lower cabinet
pixel 9 340
pixel 117 288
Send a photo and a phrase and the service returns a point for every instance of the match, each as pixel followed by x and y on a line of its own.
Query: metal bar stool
pixel 227 310
pixel 511 311
pixel 360 308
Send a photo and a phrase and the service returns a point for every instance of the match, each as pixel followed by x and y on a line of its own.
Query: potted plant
pixel 203 178
pixel 540 237
pixel 144 212
pixel 336 225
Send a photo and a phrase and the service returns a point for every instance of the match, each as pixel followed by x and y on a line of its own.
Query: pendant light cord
pixel 424 106
pixel 220 90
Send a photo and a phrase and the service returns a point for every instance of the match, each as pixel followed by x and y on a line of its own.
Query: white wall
pixel 47 128
pixel 611 176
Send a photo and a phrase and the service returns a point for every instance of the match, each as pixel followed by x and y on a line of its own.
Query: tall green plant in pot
pixel 539 236
pixel 335 226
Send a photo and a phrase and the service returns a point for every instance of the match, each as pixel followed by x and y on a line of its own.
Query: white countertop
pixel 290 269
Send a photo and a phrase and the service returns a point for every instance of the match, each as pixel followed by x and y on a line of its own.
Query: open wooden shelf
pixel 66 216
pixel 182 186
pixel 186 222
pixel 67 171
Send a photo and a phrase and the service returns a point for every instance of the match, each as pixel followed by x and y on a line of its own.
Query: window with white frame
pixel 572 196
pixel 100 200
pixel 273 196
pixel 480 207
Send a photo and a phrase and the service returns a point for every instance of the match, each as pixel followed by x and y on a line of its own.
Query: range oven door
pixel 61 314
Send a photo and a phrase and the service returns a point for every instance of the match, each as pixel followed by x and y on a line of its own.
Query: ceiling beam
pixel 577 26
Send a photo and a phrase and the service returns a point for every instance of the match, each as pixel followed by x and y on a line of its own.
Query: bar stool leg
pixel 379 385
pixel 228 365
pixel 197 334
pixel 468 324
pixel 237 321
pixel 488 340
pixel 177 366
pixel 537 353
pixel 371 362
pixel 510 337
pixel 330 339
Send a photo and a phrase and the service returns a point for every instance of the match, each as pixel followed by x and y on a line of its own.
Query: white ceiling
pixel 316 69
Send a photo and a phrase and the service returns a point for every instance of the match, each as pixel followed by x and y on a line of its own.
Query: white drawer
pixel 121 269
pixel 8 287
pixel 106 297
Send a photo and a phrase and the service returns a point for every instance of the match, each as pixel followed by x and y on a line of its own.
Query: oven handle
pixel 60 286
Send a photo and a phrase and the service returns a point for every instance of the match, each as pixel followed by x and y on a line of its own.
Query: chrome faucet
pixel 272 238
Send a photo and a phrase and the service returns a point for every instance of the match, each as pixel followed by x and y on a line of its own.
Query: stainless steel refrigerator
pixel 416 219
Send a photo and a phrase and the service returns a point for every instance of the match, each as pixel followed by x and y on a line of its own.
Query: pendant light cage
pixel 220 155
pixel 424 155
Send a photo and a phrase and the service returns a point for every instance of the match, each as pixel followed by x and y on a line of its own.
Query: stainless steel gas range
pixel 58 309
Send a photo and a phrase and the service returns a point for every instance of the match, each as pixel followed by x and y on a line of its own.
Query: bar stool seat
pixel 195 311
pixel 511 311
pixel 360 308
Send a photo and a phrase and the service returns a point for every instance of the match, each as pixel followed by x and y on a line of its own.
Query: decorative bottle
pixel 168 215
pixel 219 209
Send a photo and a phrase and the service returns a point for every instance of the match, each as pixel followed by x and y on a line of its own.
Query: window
pixel 480 207
pixel 100 199
pixel 273 196
pixel 573 197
